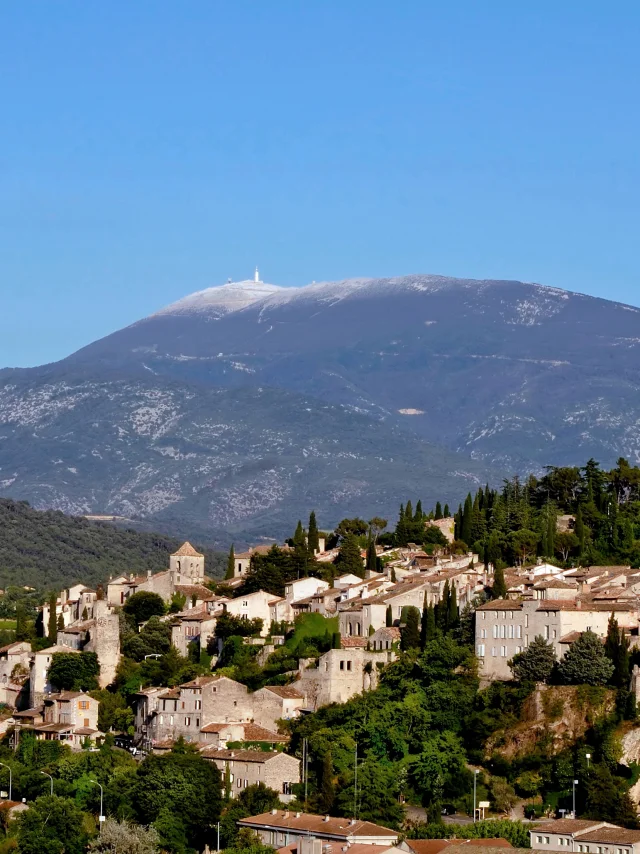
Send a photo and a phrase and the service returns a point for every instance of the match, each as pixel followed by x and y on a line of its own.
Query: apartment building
pixel 586 837
pixel 242 768
pixel 281 827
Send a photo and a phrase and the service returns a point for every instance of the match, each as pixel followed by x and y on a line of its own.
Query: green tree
pixel 231 564
pixel 313 535
pixel 523 544
pixel 467 521
pixel 60 623
pixel 453 613
pixel 349 559
pixel 23 630
pixel 187 786
pixel 616 648
pixel 566 542
pixel 143 605
pixel 52 629
pixel 499 588
pixel 124 837
pixel 74 671
pixel 446 513
pixel 410 631
pixel 585 662
pixel 438 513
pixel 52 825
pixel 535 663
pixel 428 626
pixel 389 616
pixel 372 559
pixel 440 770
pixel 328 790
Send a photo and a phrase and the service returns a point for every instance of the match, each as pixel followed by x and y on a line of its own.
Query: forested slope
pixel 50 550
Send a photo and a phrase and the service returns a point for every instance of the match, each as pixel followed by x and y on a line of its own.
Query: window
pixel 83 704
pixel 553 634
pixel 187 721
pixel 511 631
pixel 519 631
pixel 198 722
pixel 503 651
pixel 240 786
pixel 161 719
pixel 342 665
pixel 493 651
pixel 198 705
pixel 483 633
pixel 546 840
pixel 503 631
pixel 481 650
pixel 170 720
pixel 235 702
pixel 539 840
pixel 348 665
pixel 495 631
pixel 484 616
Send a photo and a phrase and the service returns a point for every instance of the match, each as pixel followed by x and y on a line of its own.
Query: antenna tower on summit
pixel 256 276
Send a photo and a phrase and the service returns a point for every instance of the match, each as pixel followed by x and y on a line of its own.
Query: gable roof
pixel 323 826
pixel 285 691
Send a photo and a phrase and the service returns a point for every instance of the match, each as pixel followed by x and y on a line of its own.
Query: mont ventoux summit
pixel 239 408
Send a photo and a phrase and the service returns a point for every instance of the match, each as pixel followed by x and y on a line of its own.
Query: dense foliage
pixel 49 550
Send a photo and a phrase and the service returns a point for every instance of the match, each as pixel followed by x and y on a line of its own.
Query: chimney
pixel 326 818
pixel 273 812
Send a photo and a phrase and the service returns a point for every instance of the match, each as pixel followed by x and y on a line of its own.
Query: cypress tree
pixel 446 513
pixel 499 589
pixel 444 606
pixel 328 791
pixel 467 521
pixel 349 558
pixel 22 627
pixel 85 613
pixel 52 627
pixel 410 632
pixel 231 564
pixel 457 523
pixel 300 550
pixel 551 530
pixel 419 515
pixel 389 616
pixel 454 613
pixel 438 513
pixel 60 625
pixel 408 513
pixel 372 558
pixel 579 530
pixel 402 529
pixel 616 648
pixel 430 633
pixel 313 536
pixel 392 575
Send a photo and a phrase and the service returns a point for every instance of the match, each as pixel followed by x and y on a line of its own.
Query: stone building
pixel 194 625
pixel 276 702
pixel 101 635
pixel 15 661
pixel 39 684
pixel 243 768
pixel 69 716
pixel 278 828
pixel 72 604
pixel 588 836
pixel 340 674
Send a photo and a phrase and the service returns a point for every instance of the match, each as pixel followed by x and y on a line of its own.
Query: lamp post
pixel 218 846
pixel 475 778
pixel 51 778
pixel 10 777
pixel 588 755
pixel 575 783
pixel 101 816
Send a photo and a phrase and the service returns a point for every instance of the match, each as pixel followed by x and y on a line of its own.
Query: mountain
pixel 49 550
pixel 238 409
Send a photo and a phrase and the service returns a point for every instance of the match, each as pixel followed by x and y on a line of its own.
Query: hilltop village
pixel 483 662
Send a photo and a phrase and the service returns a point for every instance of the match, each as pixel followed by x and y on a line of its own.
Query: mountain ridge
pixel 476 377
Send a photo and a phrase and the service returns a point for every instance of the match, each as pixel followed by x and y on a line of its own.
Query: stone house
pixel 243 768
pixel 221 735
pixel 14 672
pixel 101 635
pixel 276 702
pixel 505 627
pixel 194 625
pixel 39 672
pixel 385 638
pixel 70 716
pixel 186 574
pixel 340 674
pixel 589 837
pixel 253 606
pixel 278 828
pixel 71 604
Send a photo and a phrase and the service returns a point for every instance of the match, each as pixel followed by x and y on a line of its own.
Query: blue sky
pixel 151 149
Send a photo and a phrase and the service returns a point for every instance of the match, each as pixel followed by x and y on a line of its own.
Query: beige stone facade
pixel 243 768
pixel 340 674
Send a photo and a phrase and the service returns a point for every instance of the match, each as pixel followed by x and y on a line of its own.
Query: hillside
pixel 244 405
pixel 48 550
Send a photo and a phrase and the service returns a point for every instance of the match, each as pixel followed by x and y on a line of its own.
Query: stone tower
pixel 104 640
pixel 188 565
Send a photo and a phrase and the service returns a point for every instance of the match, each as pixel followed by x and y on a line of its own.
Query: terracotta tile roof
pixel 389 632
pixel 186 550
pixel 10 646
pixel 285 691
pixel 353 642
pixel 323 826
pixel 427 846
pixel 216 727
pixel 171 694
pixel 612 835
pixel 85 730
pixel 194 590
pixel 253 732
pixel 567 825
pixel 257 756
pixel 199 681
pixel 501 605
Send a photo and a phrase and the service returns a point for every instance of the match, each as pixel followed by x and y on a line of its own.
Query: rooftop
pixel 186 550
pixel 341 828
pixel 256 756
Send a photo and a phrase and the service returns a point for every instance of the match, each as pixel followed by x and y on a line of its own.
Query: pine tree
pixel 313 535
pixel 372 559
pixel 446 514
pixel 389 616
pixel 231 564
pixel 410 631
pixel 52 627
pixel 438 513
pixel 499 589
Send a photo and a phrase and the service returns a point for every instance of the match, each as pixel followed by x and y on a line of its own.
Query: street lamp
pixel 101 816
pixel 588 755
pixel 575 783
pixel 10 776
pixel 475 778
pixel 51 778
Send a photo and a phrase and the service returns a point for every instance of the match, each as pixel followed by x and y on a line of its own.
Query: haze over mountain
pixel 240 408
